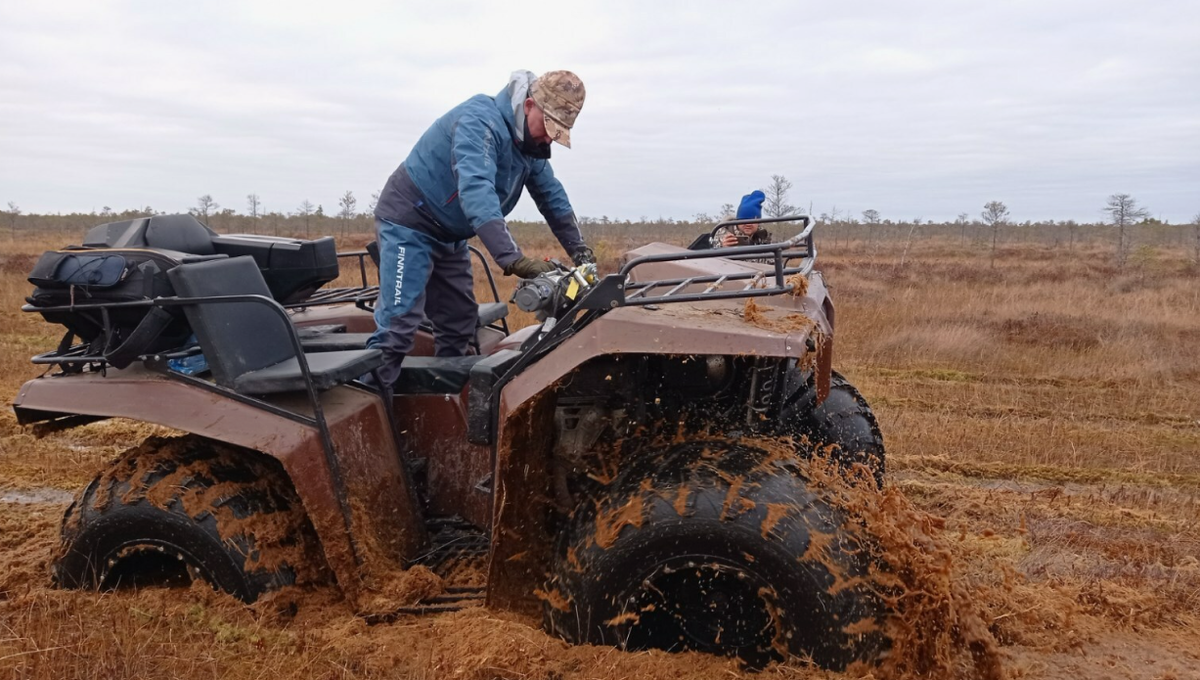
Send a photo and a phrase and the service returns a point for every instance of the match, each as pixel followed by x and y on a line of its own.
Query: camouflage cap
pixel 560 96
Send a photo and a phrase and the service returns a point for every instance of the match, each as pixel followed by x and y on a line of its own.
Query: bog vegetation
pixel 1040 402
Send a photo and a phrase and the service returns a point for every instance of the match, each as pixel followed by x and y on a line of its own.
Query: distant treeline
pixel 1147 232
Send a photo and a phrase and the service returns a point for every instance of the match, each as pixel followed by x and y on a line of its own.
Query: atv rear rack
pixel 75 357
pixel 616 290
pixel 362 296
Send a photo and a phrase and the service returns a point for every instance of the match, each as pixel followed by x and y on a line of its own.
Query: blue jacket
pixel 470 173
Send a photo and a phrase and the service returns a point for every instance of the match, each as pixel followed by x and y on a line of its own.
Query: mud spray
pixel 937 628
pixel 940 624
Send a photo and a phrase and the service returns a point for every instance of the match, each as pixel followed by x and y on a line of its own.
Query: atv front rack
pixel 616 290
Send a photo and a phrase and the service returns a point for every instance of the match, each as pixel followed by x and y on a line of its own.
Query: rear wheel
pixel 174 510
pixel 716 547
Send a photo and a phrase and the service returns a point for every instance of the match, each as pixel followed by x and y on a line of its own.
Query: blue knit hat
pixel 751 207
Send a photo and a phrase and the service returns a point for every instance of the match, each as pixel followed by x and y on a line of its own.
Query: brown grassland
pixel 1045 412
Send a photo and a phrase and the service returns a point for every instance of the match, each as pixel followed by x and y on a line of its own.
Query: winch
pixel 549 295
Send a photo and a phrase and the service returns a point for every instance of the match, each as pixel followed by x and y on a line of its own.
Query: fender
pixel 382 532
pixel 521 543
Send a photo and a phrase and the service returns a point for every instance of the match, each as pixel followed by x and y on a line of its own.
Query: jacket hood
pixel 511 102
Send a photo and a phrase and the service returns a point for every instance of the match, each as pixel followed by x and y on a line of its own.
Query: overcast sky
pixel 925 109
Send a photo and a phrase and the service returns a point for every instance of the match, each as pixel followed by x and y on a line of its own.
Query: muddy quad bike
pixel 605 467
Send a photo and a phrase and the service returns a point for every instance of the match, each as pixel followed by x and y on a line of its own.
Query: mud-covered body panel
pixel 520 542
pixel 691 328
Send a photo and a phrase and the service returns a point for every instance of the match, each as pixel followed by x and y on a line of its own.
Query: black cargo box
pixel 293 268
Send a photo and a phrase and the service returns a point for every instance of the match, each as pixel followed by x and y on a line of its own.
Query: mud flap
pixel 824 368
pixel 521 542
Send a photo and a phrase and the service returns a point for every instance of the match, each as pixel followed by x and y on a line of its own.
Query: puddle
pixel 35 496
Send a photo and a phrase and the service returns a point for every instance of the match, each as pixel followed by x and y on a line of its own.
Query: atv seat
pixel 702 242
pixel 248 346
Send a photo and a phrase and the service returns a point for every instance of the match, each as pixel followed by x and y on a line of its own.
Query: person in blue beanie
pixel 744 234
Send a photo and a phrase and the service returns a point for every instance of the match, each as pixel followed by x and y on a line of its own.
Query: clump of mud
pixel 768 319
pixel 799 284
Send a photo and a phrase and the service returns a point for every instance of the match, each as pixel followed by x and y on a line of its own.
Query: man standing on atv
pixel 744 234
pixel 460 180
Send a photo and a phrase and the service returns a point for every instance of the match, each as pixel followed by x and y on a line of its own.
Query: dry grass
pixel 1046 409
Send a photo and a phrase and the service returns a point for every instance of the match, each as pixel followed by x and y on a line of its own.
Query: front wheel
pixel 716 547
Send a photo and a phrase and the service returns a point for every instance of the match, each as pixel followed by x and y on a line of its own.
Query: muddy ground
pixel 1043 418
pixel 1087 580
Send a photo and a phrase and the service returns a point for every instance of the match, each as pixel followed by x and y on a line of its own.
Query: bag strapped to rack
pixel 69 270
pixel 78 287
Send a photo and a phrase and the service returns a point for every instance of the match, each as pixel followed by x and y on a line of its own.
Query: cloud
pixel 928 108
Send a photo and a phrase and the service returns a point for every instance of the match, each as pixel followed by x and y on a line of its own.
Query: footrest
pixel 459 554
pixel 434 375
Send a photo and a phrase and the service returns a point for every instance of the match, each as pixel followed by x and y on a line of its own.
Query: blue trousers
pixel 421 277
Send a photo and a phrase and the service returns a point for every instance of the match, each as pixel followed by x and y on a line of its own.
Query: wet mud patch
pixel 1051 330
pixel 35 496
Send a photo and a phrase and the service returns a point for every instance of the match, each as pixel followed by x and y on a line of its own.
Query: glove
pixel 528 268
pixel 583 255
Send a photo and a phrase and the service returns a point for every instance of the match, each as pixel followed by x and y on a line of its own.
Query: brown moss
pixel 554 598
pixel 734 504
pixel 681 500
pixel 1106 423
pixel 775 514
pixel 385 592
